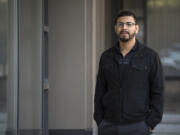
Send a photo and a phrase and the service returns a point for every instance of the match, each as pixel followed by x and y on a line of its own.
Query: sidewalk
pixel 3 122
pixel 170 125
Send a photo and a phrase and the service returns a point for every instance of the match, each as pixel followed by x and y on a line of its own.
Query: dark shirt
pixel 123 63
pixel 124 60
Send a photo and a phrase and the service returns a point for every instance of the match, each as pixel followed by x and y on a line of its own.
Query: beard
pixel 125 38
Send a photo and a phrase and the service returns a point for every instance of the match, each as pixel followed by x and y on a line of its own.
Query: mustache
pixel 124 31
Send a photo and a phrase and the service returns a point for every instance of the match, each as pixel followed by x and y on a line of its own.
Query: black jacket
pixel 135 95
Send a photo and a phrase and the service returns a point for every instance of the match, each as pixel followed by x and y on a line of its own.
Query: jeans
pixel 112 128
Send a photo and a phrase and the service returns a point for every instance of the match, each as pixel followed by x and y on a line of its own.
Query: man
pixel 129 87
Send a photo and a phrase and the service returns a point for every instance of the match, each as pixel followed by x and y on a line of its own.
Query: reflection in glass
pixel 3 66
pixel 170 58
pixel 8 67
pixel 163 35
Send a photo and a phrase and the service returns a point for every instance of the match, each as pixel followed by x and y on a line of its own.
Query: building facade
pixel 49 55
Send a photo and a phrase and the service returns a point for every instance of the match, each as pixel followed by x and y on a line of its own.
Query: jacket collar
pixel 135 48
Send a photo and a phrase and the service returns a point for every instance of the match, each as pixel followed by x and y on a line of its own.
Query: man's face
pixel 126 28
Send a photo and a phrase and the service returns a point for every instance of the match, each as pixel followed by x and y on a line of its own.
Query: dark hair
pixel 125 13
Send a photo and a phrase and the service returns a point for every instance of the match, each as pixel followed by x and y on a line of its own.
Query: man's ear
pixel 137 29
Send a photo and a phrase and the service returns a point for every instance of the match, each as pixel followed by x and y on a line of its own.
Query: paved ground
pixel 169 126
pixel 3 122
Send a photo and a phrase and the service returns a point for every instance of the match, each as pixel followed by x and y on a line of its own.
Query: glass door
pixel 163 35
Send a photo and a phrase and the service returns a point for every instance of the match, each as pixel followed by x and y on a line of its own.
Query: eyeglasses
pixel 128 24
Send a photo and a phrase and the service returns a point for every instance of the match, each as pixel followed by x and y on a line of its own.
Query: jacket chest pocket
pixel 139 70
pixel 139 65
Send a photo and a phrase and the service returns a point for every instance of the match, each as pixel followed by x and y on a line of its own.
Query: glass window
pixel 163 35
pixel 3 65
pixel 8 67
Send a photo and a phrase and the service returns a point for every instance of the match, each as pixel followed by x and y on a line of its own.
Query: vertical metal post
pixel 45 67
